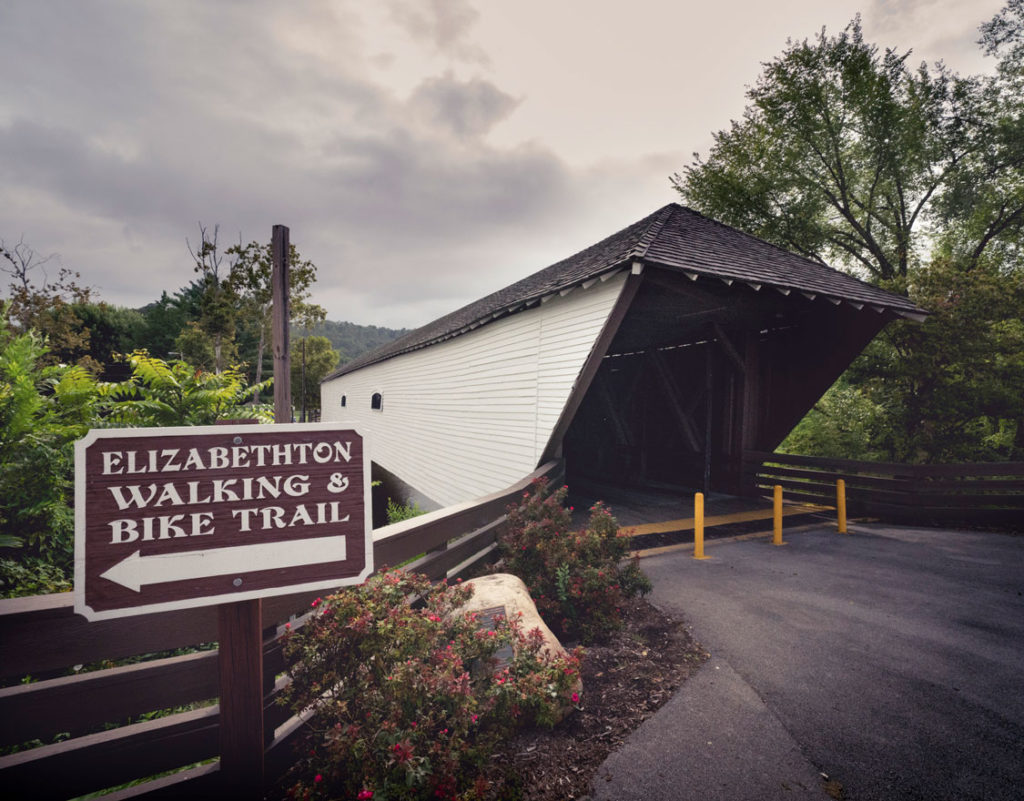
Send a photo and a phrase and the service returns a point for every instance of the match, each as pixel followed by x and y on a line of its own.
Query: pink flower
pixel 364 795
pixel 318 778
pixel 403 751
pixel 575 698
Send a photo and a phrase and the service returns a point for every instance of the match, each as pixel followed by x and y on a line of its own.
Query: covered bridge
pixel 661 354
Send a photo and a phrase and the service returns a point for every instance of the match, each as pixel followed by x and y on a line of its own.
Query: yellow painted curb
pixel 686 523
pixel 688 546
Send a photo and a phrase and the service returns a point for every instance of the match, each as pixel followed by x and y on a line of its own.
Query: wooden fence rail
pixel 96 722
pixel 979 494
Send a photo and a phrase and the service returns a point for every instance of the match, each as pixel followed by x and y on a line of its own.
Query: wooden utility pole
pixel 281 321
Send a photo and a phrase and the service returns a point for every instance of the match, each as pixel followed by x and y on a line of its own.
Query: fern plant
pixel 175 393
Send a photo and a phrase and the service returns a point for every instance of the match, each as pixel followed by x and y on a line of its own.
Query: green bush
pixel 43 410
pixel 398 512
pixel 31 576
pixel 408 701
pixel 578 579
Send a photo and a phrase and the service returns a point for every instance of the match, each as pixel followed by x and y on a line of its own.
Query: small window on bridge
pixel 377 402
pixel 343 400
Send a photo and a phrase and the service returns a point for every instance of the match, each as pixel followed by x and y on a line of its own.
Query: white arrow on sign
pixel 136 570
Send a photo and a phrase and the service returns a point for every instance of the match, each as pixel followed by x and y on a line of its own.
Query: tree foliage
pixel 45 304
pixel 952 387
pixel 250 278
pixel 167 317
pixel 43 410
pixel 218 303
pixel 112 332
pixel 845 154
pixel 351 340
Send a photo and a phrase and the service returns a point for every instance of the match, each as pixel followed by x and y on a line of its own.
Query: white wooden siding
pixel 472 415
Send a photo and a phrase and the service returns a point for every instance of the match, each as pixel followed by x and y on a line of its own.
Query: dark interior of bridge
pixel 701 372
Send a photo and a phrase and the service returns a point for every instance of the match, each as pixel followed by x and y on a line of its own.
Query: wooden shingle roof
pixel 674 238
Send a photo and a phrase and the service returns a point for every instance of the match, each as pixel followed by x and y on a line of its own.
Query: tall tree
pixel 218 306
pixel 983 209
pixel 43 303
pixel 844 153
pixel 312 358
pixel 112 332
pixel 167 317
pixel 250 280
pixel 915 177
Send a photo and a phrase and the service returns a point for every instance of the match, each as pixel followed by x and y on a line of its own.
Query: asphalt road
pixel 891 660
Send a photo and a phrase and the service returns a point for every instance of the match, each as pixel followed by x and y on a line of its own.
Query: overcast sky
pixel 422 152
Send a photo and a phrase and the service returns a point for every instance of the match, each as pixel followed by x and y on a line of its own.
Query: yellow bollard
pixel 777 515
pixel 698 526
pixel 841 505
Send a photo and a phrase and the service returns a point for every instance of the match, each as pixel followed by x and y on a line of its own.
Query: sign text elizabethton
pixel 150 501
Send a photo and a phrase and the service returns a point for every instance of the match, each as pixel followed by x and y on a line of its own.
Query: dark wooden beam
pixel 709 386
pixel 751 404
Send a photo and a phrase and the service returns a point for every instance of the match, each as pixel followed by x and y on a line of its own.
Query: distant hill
pixel 351 340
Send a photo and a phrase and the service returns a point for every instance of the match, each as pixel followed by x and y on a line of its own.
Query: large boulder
pixel 505 594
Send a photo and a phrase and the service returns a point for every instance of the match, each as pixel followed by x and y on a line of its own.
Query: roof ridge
pixel 650 233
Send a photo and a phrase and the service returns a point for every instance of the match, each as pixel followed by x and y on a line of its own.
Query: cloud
pixel 444 23
pixel 192 113
pixel 935 30
pixel 469 109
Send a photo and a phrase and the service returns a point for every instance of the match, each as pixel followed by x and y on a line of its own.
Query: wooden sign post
pixel 171 518
pixel 240 665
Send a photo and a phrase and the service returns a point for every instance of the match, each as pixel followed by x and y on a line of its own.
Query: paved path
pixel 891 660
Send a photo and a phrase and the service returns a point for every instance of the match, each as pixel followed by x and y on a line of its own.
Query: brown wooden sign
pixel 169 518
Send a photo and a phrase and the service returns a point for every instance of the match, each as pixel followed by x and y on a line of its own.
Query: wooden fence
pixel 98 727
pixel 951 494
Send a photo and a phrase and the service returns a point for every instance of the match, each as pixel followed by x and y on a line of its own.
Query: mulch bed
pixel 624 681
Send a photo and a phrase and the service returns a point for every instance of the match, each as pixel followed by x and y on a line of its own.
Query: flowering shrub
pixel 408 701
pixel 578 579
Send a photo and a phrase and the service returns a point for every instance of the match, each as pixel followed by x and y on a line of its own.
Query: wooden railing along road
pixel 94 723
pixel 950 494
